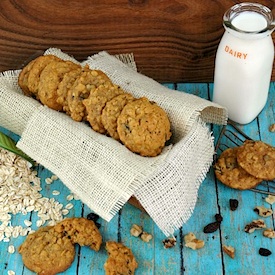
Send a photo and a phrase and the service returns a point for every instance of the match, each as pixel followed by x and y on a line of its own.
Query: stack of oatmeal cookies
pixel 89 95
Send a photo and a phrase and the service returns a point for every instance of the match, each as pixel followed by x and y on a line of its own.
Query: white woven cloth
pixel 103 172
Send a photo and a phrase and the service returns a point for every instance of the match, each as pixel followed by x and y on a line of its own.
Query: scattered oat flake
pixel 70 197
pixel 27 222
pixel 48 180
pixel 56 192
pixel 65 212
pixel 54 177
pixel 11 249
pixel 69 206
pixel 11 272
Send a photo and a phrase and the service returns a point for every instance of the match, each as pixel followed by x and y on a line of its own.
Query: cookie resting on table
pixel 228 171
pixel 120 261
pixel 51 249
pixel 143 127
pixel 258 159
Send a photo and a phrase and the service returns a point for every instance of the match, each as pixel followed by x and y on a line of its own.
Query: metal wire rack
pixel 231 136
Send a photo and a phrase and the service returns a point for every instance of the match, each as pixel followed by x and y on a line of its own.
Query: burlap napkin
pixel 103 172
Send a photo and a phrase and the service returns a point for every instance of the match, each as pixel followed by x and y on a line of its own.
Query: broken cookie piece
pixel 120 261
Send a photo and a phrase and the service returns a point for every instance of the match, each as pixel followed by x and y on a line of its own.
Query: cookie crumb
pixel 146 237
pixel 169 242
pixel 272 128
pixel 270 199
pixel 229 250
pixel 136 230
pixel 192 242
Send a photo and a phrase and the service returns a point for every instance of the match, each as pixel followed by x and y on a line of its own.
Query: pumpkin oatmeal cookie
pixel 81 231
pixel 258 159
pixel 47 252
pixel 112 111
pixel 228 171
pixel 50 78
pixel 34 76
pixel 83 86
pixel 143 127
pixel 120 261
pixel 96 102
pixel 23 78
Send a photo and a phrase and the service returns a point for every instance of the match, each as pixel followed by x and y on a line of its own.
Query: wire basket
pixel 231 136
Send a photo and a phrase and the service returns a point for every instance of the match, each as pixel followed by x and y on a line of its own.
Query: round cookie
pixel 228 171
pixel 50 78
pixel 47 251
pixel 81 231
pixel 96 102
pixel 121 259
pixel 112 111
pixel 23 78
pixel 34 76
pixel 83 86
pixel 143 127
pixel 258 159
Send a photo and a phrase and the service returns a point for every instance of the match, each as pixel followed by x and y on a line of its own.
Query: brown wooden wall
pixel 172 40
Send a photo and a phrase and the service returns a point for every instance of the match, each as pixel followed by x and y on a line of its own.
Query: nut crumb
pixel 272 128
pixel 136 230
pixel 270 199
pixel 255 224
pixel 146 237
pixel 229 250
pixel 169 242
pixel 262 211
pixel 192 242
pixel 269 233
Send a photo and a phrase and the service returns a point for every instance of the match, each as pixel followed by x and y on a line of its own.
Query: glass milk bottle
pixel 244 61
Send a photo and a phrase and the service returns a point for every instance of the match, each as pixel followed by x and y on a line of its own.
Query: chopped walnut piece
pixel 146 237
pixel 270 199
pixel 255 224
pixel 229 250
pixel 272 128
pixel 136 230
pixel 269 233
pixel 169 242
pixel 192 242
pixel 262 211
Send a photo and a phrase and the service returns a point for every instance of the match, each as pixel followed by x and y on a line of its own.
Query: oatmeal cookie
pixel 50 78
pixel 258 159
pixel 47 252
pixel 228 171
pixel 112 111
pixel 81 231
pixel 143 127
pixel 96 102
pixel 120 261
pixel 84 85
pixel 23 78
pixel 34 75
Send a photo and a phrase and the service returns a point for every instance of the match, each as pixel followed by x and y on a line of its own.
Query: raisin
pixel 211 227
pixel 233 204
pixel 218 218
pixel 93 217
pixel 98 225
pixel 264 252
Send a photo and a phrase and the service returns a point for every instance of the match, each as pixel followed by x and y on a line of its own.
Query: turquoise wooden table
pixel 152 257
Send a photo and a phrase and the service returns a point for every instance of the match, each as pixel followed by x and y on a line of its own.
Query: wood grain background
pixel 172 40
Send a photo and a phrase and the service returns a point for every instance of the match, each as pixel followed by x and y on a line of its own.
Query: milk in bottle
pixel 244 61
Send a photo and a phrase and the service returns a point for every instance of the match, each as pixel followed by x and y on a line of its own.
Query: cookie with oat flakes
pixel 96 102
pixel 258 159
pixel 121 259
pixel 47 252
pixel 112 111
pixel 84 85
pixel 143 127
pixel 230 173
pixel 81 231
pixel 50 78
pixel 34 76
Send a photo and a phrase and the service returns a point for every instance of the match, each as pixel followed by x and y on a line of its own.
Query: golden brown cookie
pixel 112 111
pixel 143 127
pixel 83 86
pixel 47 252
pixel 23 78
pixel 228 171
pixel 34 75
pixel 120 261
pixel 81 231
pixel 50 78
pixel 96 102
pixel 258 159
